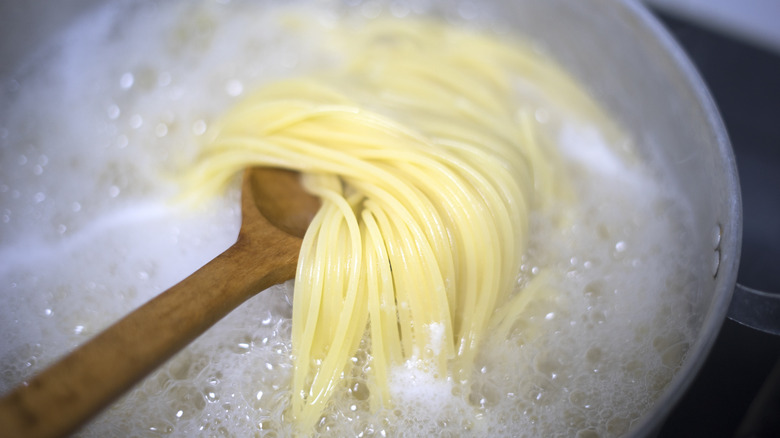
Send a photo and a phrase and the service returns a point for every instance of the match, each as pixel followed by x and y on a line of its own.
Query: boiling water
pixel 95 125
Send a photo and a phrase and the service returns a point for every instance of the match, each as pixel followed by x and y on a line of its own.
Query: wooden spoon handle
pixel 66 395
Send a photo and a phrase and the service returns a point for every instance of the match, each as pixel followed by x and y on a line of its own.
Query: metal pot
pixel 634 67
pixel 639 72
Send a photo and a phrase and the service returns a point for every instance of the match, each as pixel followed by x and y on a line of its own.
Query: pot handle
pixel 756 309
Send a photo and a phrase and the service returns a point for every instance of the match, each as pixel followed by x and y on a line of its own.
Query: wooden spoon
pixel 275 214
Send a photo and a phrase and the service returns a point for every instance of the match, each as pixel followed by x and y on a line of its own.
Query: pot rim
pixel 731 227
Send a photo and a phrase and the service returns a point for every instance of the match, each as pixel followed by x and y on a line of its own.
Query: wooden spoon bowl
pixel 275 212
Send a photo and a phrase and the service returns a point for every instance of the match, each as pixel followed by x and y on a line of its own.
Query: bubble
pixel 136 121
pixel 243 346
pixel 548 365
pixel 360 391
pixel 579 399
pixel 234 87
pixel 618 426
pixel 122 141
pixel 199 127
pixel 113 112
pixel 126 81
pixel 161 130
pixel 594 290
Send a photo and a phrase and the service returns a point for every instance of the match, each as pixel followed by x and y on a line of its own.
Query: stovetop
pixel 737 392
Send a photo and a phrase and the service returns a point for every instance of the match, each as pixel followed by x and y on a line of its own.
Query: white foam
pixel 33 250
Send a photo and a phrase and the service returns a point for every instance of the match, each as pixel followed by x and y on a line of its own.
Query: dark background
pixel 737 392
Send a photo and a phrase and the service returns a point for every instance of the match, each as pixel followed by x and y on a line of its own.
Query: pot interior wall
pixel 635 69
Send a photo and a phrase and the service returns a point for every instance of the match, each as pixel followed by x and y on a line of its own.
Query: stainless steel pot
pixel 639 72
pixel 635 68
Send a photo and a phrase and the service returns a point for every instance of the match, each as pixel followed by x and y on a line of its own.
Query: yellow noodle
pixel 427 167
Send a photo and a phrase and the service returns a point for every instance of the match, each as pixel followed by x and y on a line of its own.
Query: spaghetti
pixel 427 168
